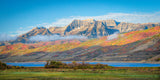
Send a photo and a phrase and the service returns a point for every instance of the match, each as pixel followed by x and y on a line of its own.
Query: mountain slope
pixel 132 46
pixel 35 31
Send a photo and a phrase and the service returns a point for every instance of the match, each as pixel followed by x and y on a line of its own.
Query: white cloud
pixel 62 22
pixel 121 17
pixel 6 37
pixel 54 37
pixel 113 36
pixel 21 30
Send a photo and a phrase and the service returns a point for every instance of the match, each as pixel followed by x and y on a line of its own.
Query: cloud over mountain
pixel 6 37
pixel 113 36
pixel 54 37
pixel 121 17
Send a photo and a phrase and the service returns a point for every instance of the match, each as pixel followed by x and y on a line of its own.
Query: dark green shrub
pixel 3 65
pixel 74 65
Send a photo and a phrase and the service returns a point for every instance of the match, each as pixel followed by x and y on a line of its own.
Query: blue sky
pixel 19 16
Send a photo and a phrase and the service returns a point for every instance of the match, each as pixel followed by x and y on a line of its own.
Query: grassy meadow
pixel 115 73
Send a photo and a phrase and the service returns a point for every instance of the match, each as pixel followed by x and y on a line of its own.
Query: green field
pixel 81 74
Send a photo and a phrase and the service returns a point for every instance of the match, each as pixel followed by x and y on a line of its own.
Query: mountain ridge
pixel 81 26
pixel 90 28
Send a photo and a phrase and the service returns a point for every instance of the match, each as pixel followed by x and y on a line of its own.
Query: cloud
pixel 6 37
pixel 113 36
pixel 21 30
pixel 54 37
pixel 63 22
pixel 121 17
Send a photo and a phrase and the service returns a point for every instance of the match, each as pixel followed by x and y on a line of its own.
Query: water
pixel 114 64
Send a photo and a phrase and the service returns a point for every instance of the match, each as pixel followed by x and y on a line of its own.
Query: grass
pixel 81 74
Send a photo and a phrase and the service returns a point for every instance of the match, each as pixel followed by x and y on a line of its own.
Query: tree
pixel 3 65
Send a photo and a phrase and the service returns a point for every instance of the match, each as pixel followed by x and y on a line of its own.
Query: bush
pixel 74 65
pixel 5 66
pixel 158 59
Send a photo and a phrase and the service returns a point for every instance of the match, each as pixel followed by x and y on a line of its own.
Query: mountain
pixel 143 45
pixel 35 31
pixel 108 40
pixel 90 28
pixel 98 28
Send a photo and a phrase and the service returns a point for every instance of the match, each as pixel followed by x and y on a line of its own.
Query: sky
pixel 19 16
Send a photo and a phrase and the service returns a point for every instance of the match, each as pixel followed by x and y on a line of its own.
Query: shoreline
pixel 93 61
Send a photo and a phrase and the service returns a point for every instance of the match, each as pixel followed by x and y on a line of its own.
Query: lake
pixel 114 64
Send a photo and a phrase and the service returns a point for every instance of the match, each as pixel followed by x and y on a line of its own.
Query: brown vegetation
pixel 74 65
pixel 5 66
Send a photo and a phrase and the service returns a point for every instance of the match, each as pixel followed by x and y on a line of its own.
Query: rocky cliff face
pixel 127 27
pixel 57 30
pixel 93 29
pixel 90 28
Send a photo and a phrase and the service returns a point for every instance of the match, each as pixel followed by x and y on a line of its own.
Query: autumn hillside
pixel 125 47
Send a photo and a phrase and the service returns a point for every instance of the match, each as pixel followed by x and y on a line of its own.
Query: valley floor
pixel 116 73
